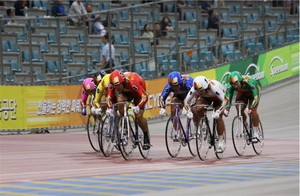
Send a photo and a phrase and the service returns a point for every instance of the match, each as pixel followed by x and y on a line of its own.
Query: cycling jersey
pixel 101 90
pixel 216 91
pixel 248 86
pixel 134 85
pixel 181 93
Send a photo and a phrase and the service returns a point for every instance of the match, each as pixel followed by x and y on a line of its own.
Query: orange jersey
pixel 135 85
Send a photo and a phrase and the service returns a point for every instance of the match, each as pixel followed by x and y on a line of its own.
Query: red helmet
pixel 116 77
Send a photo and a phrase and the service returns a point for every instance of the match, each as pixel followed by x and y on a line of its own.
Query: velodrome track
pixel 65 164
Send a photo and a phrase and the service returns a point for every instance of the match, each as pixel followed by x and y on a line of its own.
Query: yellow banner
pixel 28 107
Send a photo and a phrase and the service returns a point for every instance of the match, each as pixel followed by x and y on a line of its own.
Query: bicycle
pixel 242 134
pixel 119 133
pixel 176 135
pixel 206 138
pixel 130 135
pixel 93 126
pixel 108 134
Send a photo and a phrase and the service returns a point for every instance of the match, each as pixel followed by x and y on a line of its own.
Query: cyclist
pixel 88 88
pixel 177 84
pixel 248 92
pixel 129 86
pixel 102 79
pixel 207 91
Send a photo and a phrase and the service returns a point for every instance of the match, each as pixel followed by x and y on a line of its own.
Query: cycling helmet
pixel 175 78
pixel 200 83
pixel 98 76
pixel 88 84
pixel 235 76
pixel 116 78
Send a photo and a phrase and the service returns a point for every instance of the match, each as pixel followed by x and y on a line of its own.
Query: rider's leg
pixel 198 112
pixel 121 98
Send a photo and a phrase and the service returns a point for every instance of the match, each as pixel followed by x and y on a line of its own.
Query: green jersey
pixel 249 86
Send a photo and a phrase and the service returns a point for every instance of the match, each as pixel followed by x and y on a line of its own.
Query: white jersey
pixel 216 91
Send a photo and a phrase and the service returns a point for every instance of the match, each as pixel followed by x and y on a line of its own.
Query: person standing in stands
pixel 107 57
pixel 58 9
pixel 19 6
pixel 77 8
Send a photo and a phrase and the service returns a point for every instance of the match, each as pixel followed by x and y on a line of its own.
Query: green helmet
pixel 235 76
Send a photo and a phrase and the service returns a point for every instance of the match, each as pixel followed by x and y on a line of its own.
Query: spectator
pixel 165 25
pixel 213 21
pixel 180 5
pixel 148 33
pixel 1 3
pixel 106 60
pixel 77 8
pixel 248 3
pixel 109 20
pixel 9 18
pixel 205 6
pixel 58 9
pixel 98 26
pixel 89 10
pixel 19 6
pixel 220 3
pixel 157 33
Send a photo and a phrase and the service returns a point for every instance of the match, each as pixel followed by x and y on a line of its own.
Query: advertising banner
pixel 31 107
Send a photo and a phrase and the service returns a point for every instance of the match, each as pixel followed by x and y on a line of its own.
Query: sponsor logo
pixel 278 69
pixel 257 76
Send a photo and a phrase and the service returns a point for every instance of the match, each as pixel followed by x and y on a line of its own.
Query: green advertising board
pixel 266 68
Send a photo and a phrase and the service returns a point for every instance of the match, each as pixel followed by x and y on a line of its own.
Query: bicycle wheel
pixel 203 138
pixel 125 138
pixel 173 136
pixel 93 127
pixel 219 155
pixel 258 146
pixel 192 138
pixel 144 153
pixel 107 136
pixel 239 135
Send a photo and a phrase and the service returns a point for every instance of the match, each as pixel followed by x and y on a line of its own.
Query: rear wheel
pixel 192 138
pixel 107 136
pixel 126 138
pixel 239 135
pixel 258 146
pixel 203 138
pixel 173 136
pixel 93 128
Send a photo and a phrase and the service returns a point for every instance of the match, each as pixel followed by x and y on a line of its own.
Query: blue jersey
pixel 182 92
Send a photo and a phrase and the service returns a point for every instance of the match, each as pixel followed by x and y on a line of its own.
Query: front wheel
pixel 239 135
pixel 220 155
pixel 107 138
pixel 192 138
pixel 258 146
pixel 173 136
pixel 93 129
pixel 126 138
pixel 203 138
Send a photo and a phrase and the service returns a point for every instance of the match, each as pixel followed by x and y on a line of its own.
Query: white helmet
pixel 200 83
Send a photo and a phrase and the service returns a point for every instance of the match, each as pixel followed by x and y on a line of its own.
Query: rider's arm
pixel 219 91
pixel 165 93
pixel 110 95
pixel 229 94
pixel 255 90
pixel 98 95
pixel 84 96
pixel 141 93
pixel 190 95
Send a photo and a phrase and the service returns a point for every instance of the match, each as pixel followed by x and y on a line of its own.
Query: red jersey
pixel 134 85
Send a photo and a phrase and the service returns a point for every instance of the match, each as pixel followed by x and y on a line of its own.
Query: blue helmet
pixel 175 78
